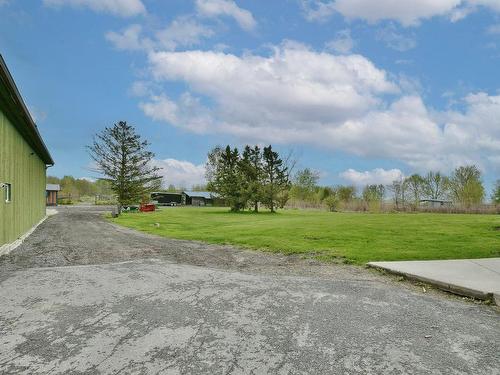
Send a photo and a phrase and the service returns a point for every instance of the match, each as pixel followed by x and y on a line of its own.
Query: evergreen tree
pixel 224 176
pixel 123 159
pixel 250 167
pixel 276 181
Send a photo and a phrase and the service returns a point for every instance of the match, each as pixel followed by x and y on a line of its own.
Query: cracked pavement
pixel 84 296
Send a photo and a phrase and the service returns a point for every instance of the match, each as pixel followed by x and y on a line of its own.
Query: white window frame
pixel 7 192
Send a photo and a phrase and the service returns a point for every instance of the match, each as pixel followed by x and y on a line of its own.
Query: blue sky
pixel 361 92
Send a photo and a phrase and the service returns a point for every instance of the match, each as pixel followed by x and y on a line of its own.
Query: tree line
pixel 463 187
pixel 255 176
pixel 74 188
pixel 250 178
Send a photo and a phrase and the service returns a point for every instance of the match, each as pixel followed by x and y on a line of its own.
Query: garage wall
pixel 25 171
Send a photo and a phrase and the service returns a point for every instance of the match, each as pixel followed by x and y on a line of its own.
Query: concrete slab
pixel 478 278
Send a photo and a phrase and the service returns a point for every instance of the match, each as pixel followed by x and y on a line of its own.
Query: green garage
pixel 24 159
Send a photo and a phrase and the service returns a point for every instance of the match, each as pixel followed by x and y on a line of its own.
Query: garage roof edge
pixel 26 127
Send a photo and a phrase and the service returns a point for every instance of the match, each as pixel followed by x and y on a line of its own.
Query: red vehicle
pixel 147 207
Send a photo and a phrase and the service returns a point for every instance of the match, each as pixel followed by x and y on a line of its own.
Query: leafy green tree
pixel 435 185
pixel 68 187
pixel 496 193
pixel 466 186
pixel 414 189
pixel 345 194
pixel 373 193
pixel 373 196
pixel 53 180
pixel 103 187
pixel 122 157
pixel 276 182
pixel 324 192
pixel 332 202
pixel 85 187
pixel 397 188
pixel 305 185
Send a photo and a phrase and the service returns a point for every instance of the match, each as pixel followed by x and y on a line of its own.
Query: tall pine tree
pixel 276 182
pixel 251 173
pixel 123 159
pixel 224 176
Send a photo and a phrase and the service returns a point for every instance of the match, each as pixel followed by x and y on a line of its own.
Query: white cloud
pixel 343 42
pixel 216 8
pixel 317 10
pixel 292 86
pixel 492 4
pixel 339 102
pixel 493 29
pixel 375 176
pixel 122 8
pixel 129 39
pixel 180 173
pixel 183 31
pixel 140 89
pixel 395 40
pixel 187 113
pixel 406 12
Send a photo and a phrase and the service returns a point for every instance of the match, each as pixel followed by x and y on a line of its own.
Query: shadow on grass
pixel 243 213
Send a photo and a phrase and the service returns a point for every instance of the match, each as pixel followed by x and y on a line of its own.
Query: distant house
pixel 51 191
pixel 198 198
pixel 435 203
pixel 24 159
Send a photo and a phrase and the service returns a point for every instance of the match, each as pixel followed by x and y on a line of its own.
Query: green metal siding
pixel 25 171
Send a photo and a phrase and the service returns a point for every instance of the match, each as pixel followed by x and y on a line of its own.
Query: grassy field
pixel 349 237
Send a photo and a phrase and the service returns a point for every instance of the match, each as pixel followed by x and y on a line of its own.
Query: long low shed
pixel 188 198
pixel 23 162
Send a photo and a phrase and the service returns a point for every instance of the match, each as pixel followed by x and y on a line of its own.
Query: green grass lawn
pixel 354 237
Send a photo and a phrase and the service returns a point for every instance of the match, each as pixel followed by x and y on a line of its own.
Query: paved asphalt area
pixel 84 296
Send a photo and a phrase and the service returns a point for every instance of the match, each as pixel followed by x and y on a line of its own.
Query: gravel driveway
pixel 84 296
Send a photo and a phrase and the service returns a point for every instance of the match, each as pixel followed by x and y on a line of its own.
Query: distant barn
pixel 52 190
pixel 198 198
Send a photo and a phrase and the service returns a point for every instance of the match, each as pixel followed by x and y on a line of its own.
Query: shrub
pixel 331 202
